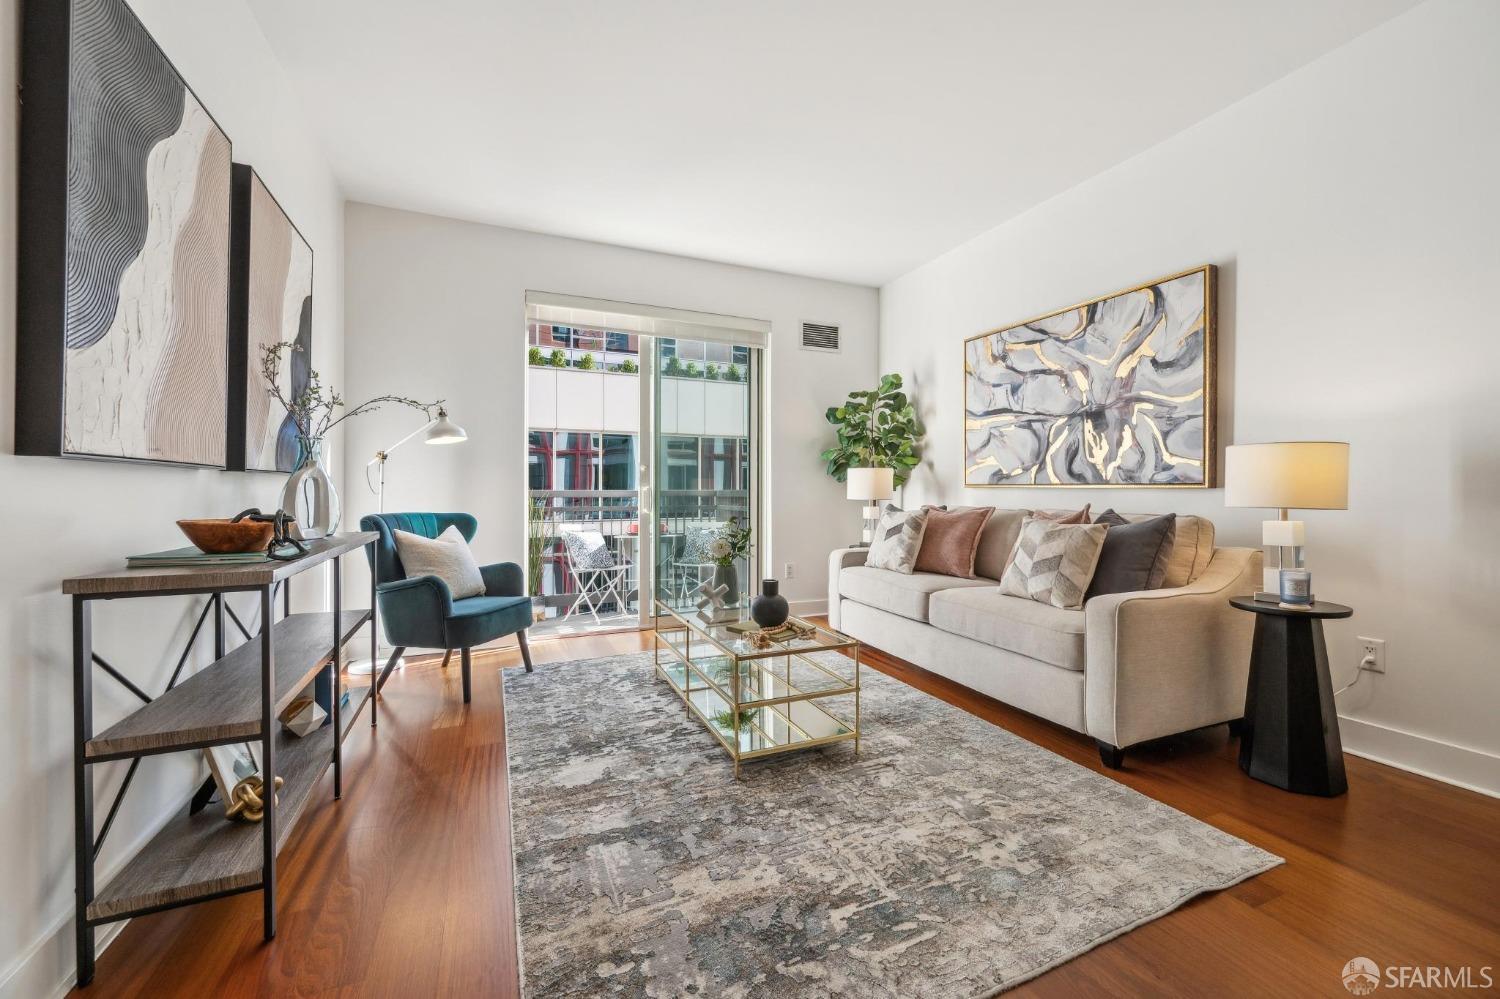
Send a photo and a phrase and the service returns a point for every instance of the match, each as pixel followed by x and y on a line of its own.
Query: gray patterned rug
pixel 951 859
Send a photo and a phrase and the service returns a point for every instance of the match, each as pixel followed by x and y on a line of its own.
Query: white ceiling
pixel 850 139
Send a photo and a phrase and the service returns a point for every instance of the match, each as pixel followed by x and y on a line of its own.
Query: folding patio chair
pixel 598 574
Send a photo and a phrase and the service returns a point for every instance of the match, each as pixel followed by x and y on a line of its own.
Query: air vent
pixel 820 336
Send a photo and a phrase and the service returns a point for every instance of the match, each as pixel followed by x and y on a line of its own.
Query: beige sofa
pixel 1126 668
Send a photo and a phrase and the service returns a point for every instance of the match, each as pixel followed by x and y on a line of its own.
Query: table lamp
pixel 870 485
pixel 1288 475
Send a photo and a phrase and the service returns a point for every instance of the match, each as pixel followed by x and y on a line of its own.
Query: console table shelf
pixel 200 853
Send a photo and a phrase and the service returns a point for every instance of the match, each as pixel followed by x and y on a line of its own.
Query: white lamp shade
pixel 870 483
pixel 445 431
pixel 1300 475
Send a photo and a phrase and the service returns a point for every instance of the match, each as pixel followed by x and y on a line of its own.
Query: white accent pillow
pixel 898 539
pixel 446 556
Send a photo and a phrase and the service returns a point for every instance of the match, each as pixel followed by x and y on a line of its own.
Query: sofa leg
pixel 525 649
pixel 1236 727
pixel 463 655
pixel 1111 756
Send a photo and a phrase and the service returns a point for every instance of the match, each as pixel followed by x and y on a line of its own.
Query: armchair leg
pixel 525 649
pixel 464 660
pixel 447 655
pixel 1111 756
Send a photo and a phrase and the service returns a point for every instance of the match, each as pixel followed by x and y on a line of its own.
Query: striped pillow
pixel 898 540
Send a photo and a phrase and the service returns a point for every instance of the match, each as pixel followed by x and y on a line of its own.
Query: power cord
pixel 1359 673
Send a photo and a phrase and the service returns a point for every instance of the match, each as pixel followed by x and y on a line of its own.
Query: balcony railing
pixel 615 513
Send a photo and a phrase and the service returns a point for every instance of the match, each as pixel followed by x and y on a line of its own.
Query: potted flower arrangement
pixel 731 545
pixel 309 495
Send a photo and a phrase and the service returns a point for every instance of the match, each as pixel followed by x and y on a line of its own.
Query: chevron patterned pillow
pixel 898 539
pixel 1053 563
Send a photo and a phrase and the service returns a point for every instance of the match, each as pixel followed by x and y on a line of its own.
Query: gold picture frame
pixel 1111 439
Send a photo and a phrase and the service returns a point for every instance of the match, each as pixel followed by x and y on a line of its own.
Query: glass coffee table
pixel 759 702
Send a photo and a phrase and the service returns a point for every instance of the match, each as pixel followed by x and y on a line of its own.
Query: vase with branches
pixel 309 495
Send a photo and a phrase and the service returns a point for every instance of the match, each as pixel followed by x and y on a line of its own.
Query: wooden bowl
pixel 222 537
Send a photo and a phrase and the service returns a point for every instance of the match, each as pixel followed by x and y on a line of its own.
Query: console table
pixel 200 854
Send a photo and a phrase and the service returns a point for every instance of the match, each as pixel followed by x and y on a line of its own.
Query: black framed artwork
pixel 271 300
pixel 123 269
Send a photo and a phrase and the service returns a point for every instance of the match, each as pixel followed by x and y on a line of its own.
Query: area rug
pixel 950 859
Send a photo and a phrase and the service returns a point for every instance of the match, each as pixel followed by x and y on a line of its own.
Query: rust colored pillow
pixel 1063 516
pixel 951 540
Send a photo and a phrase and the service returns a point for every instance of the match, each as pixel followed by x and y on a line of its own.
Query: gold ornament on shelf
pixel 247 800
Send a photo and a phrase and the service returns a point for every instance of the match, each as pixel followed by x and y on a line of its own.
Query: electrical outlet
pixel 1371 653
pixel 789 570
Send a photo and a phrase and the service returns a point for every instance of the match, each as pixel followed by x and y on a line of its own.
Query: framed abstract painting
pixel 123 270
pixel 271 299
pixel 1116 391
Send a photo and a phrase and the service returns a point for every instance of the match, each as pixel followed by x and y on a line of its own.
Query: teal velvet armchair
pixel 420 612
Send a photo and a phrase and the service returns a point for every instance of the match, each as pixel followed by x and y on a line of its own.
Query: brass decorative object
pixel 1115 391
pixel 247 800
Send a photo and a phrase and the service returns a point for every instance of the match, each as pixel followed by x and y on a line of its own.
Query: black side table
pixel 1291 730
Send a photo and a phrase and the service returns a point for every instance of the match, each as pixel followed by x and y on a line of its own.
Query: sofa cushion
pixel 1054 562
pixel 1192 548
pixel 951 539
pixel 1053 635
pixel 1135 554
pixel 996 541
pixel 898 539
pixel 905 594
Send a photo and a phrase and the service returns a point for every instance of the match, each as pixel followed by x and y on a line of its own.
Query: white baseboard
pixel 808 608
pixel 1461 766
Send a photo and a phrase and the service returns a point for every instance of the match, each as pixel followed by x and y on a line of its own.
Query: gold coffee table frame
pixel 756 702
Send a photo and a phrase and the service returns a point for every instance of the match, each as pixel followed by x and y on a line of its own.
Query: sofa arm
pixel 503 579
pixel 415 611
pixel 1159 662
pixel 838 560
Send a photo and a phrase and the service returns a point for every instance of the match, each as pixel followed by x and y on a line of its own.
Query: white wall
pixel 436 308
pixel 64 517
pixel 1353 210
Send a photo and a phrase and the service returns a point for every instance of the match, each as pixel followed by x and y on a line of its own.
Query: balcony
pixel 615 513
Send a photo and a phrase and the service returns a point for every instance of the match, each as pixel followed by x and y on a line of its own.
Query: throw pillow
pixel 446 556
pixel 951 540
pixel 898 539
pixel 1064 516
pixel 1053 563
pixel 1134 556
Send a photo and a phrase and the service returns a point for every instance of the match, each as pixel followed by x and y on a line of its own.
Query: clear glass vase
pixel 309 495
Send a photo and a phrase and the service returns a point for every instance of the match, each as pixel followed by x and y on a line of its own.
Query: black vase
pixel 769 609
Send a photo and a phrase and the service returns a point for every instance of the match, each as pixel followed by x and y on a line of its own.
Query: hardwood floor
pixel 404 887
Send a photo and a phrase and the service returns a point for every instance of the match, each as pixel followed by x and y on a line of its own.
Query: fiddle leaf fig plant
pixel 876 429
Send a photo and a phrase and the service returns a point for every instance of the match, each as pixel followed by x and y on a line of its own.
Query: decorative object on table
pixel 731 545
pixel 869 486
pixel 1053 563
pixel 770 608
pixel 763 638
pixel 1117 391
pixel 538 538
pixel 231 764
pixel 600 576
pixel 950 541
pixel 309 494
pixel 247 800
pixel 945 814
pixel 228 537
pixel 304 715
pixel 190 556
pixel 1303 475
pixel 1289 737
pixel 284 545
pixel 270 301
pixel 1135 554
pixel 898 539
pixel 710 597
pixel 446 556
pixel 1296 588
pixel 420 611
pixel 875 428
pixel 123 275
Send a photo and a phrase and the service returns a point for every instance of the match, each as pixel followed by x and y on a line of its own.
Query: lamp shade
pixel 445 431
pixel 1301 475
pixel 870 483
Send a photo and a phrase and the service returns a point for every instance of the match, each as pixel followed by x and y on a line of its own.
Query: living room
pixel 689 662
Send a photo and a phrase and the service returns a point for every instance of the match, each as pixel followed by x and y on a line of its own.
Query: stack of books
pixel 190 556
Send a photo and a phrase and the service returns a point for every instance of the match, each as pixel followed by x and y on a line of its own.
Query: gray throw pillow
pixel 898 539
pixel 1053 563
pixel 446 556
pixel 1135 555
